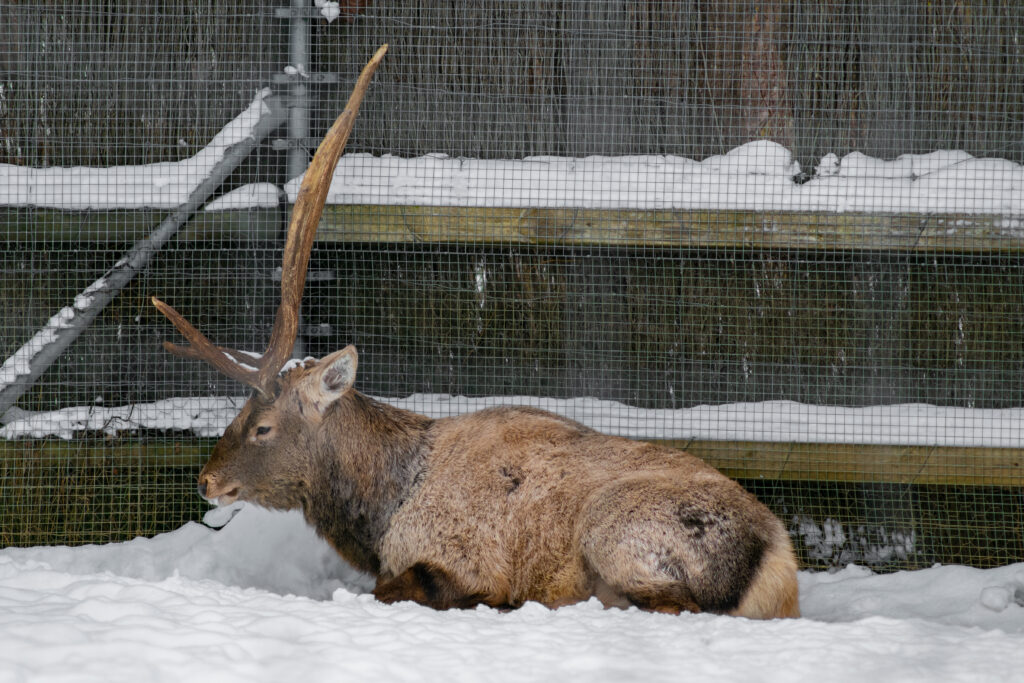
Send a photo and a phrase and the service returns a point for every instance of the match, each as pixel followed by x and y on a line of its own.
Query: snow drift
pixel 264 600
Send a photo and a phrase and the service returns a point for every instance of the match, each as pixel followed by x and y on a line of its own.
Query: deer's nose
pixel 202 487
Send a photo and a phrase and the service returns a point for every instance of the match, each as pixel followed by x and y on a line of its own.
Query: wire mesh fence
pixel 785 235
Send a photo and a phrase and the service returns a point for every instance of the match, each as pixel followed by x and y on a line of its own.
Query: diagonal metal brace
pixel 21 370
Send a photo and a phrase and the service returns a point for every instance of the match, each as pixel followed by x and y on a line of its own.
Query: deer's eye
pixel 262 429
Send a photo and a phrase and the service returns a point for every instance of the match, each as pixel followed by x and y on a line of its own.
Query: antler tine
pixel 305 218
pixel 223 360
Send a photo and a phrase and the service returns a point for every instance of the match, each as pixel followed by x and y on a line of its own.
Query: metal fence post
pixel 299 76
pixel 298 111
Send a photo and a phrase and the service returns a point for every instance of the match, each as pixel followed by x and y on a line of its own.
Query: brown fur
pixel 504 505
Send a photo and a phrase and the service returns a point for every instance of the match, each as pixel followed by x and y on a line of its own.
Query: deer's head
pixel 263 455
pixel 269 451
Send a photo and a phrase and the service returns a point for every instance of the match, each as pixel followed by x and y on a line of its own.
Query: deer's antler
pixel 259 372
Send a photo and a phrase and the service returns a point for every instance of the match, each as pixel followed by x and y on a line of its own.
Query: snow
pixel 202 416
pixel 329 9
pixel 768 421
pixel 757 176
pixel 867 544
pixel 263 599
pixel 19 363
pixel 252 196
pixel 164 185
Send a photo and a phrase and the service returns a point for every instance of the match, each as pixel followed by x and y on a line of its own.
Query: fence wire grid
pixel 785 235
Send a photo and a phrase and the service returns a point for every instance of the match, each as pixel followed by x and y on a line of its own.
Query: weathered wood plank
pixel 857 463
pixel 124 226
pixel 739 459
pixel 670 228
pixel 119 453
pixel 702 228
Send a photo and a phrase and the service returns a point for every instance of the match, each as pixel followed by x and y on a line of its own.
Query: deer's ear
pixel 333 376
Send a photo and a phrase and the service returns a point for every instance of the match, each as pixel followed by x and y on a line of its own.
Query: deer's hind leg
pixel 671 548
pixel 428 585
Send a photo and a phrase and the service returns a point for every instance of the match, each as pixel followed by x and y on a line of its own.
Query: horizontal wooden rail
pixel 860 463
pixel 122 452
pixel 125 226
pixel 739 459
pixel 761 229
pixel 648 228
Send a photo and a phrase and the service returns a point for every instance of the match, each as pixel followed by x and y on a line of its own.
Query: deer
pixel 499 507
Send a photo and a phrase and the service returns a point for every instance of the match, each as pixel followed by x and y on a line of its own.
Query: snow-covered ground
pixel 264 600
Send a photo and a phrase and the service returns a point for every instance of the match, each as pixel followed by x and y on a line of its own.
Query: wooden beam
pixel 123 226
pixel 552 227
pixel 704 228
pixel 948 466
pixel 866 464
pixel 122 452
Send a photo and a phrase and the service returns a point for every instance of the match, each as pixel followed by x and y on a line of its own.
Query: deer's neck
pixel 374 454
